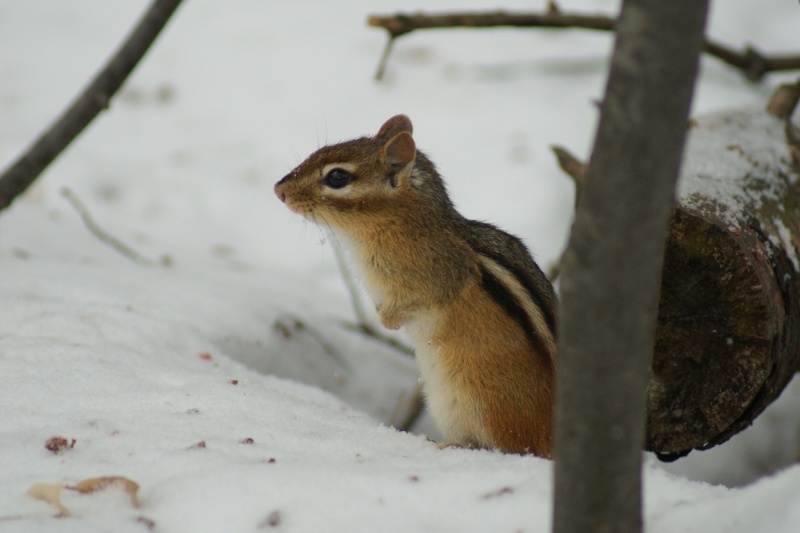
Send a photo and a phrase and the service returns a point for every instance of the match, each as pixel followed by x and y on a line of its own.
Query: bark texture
pixel 612 267
pixel 728 337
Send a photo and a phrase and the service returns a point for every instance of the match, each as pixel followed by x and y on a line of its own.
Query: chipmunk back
pixel 479 310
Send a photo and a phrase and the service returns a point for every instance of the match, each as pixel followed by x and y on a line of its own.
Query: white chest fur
pixel 458 416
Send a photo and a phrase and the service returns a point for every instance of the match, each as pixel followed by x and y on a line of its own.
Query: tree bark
pixel 612 268
pixel 728 336
pixel 729 318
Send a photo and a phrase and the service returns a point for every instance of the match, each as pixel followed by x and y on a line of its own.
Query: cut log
pixel 728 337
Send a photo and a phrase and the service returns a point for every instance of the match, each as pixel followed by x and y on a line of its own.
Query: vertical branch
pixel 612 268
pixel 384 59
pixel 95 98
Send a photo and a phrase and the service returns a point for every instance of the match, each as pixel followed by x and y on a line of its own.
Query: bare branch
pixel 363 325
pixel 375 334
pixel 290 323
pixel 612 268
pixel 784 100
pixel 574 167
pixel 401 24
pixel 405 417
pixel 384 59
pixel 751 62
pixel 349 282
pixel 100 233
pixel 94 99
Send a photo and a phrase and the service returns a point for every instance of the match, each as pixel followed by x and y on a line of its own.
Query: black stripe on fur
pixel 505 299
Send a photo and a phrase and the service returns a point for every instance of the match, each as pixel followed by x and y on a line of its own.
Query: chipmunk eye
pixel 338 178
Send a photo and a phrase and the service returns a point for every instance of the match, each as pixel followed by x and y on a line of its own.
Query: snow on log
pixel 728 338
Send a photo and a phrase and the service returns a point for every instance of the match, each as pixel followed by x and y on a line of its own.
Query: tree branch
pixel 753 64
pixel 290 324
pixel 408 412
pixel 363 325
pixel 612 268
pixel 94 99
pixel 574 167
pixel 401 23
pixel 784 100
pixel 100 233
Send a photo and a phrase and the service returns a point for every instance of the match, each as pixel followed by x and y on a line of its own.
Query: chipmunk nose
pixel 280 194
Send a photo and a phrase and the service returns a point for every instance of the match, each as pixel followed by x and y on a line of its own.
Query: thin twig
pixel 375 334
pixel 384 59
pixel 289 322
pixel 753 64
pixel 363 325
pixel 101 234
pixel 574 167
pixel 94 99
pixel 554 270
pixel 784 100
pixel 415 408
pixel 416 404
pixel 402 23
pixel 349 282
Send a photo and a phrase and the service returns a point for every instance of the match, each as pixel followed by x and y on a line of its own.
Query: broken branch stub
pixel 728 337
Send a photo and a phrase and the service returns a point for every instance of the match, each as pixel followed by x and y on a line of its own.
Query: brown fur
pixel 492 362
pixel 478 308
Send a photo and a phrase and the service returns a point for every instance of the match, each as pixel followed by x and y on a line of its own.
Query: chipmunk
pixel 480 312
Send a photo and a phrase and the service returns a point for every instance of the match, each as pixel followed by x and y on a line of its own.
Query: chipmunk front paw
pixel 391 317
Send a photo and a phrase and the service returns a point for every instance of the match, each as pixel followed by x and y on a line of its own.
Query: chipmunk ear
pixel 399 152
pixel 393 126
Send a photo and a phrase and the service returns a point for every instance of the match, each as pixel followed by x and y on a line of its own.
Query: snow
pixel 721 152
pixel 140 364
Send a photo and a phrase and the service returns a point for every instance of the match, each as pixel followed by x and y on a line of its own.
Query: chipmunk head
pixel 367 178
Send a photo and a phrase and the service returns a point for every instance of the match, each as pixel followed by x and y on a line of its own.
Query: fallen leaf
pixel 49 493
pixel 87 486
pixel 58 444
